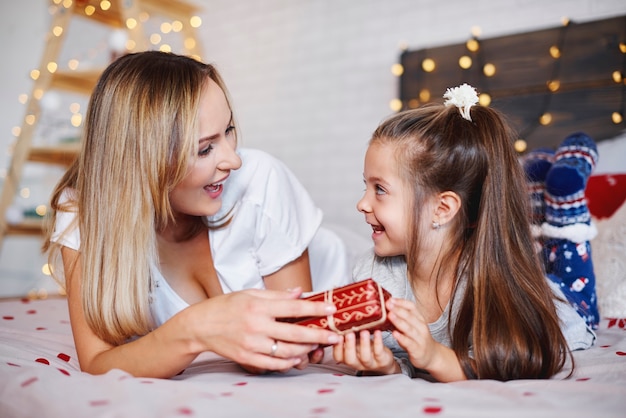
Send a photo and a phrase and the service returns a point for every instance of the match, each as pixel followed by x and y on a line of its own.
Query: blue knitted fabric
pixel 536 165
pixel 567 229
pixel 570 266
pixel 566 181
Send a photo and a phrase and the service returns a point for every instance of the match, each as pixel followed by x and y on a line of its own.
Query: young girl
pixel 131 235
pixel 445 197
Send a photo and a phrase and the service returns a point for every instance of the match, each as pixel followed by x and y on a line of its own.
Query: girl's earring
pixel 436 225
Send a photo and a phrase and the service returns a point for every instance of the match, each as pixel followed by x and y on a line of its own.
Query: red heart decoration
pixel 321 410
pixel 322 391
pixel 620 322
pixel 432 409
pixel 29 382
pixel 63 356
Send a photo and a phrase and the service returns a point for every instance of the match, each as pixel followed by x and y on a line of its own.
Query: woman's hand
pixel 365 353
pixel 242 326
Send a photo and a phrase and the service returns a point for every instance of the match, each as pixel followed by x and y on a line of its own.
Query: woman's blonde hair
pixel 507 314
pixel 139 138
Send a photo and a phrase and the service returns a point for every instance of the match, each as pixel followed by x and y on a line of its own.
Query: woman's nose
pixel 230 160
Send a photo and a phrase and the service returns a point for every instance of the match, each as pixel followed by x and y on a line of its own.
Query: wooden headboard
pixel 585 61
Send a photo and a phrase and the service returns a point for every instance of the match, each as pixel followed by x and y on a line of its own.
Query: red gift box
pixel 359 305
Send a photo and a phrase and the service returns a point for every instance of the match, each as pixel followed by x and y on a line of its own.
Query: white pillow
pixel 608 251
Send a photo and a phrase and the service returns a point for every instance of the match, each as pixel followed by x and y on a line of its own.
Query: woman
pixel 129 226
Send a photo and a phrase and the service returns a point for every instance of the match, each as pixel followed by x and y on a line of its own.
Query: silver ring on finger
pixel 274 349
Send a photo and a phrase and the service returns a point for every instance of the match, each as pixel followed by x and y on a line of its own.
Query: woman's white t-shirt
pixel 273 221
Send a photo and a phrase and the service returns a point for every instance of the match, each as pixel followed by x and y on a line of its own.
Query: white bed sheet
pixel 40 377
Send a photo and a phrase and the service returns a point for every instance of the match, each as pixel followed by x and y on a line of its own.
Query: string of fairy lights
pixel 163 34
pixel 488 69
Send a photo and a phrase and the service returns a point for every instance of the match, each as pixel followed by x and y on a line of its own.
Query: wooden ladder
pixel 127 15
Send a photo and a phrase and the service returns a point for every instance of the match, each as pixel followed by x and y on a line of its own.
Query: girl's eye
pixel 380 190
pixel 230 130
pixel 205 151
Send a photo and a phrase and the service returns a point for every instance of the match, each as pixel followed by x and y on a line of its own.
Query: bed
pixel 40 377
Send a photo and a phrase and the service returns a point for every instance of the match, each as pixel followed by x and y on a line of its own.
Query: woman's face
pixel 199 194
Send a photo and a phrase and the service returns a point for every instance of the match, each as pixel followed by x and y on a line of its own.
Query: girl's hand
pixel 366 354
pixel 413 335
pixel 412 332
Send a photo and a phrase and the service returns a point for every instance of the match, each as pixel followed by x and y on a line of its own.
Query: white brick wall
pixel 310 79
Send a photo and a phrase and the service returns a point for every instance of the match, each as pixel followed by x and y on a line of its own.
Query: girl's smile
pixel 377 230
pixel 384 201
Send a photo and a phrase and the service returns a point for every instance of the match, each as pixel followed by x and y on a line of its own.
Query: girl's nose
pixel 362 205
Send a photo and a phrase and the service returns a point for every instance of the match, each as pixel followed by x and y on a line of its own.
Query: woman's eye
pixel 230 130
pixel 205 151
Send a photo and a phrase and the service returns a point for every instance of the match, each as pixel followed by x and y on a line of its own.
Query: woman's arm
pixel 240 326
pixel 293 275
pixel 97 356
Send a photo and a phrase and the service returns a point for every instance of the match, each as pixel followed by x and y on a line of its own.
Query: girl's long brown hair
pixel 507 326
pixel 139 138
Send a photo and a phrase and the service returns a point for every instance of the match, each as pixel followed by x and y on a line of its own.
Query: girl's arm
pixel 240 326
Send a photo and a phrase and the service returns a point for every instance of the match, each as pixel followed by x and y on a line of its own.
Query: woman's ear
pixel 447 206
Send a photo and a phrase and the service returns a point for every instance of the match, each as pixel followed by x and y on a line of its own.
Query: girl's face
pixel 199 194
pixel 385 201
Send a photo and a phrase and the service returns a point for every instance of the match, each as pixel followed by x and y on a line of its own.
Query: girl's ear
pixel 448 205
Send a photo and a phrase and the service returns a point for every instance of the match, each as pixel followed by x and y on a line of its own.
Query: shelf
pixel 81 82
pixel 28 227
pixel 127 15
pixel 60 154
pixel 114 17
